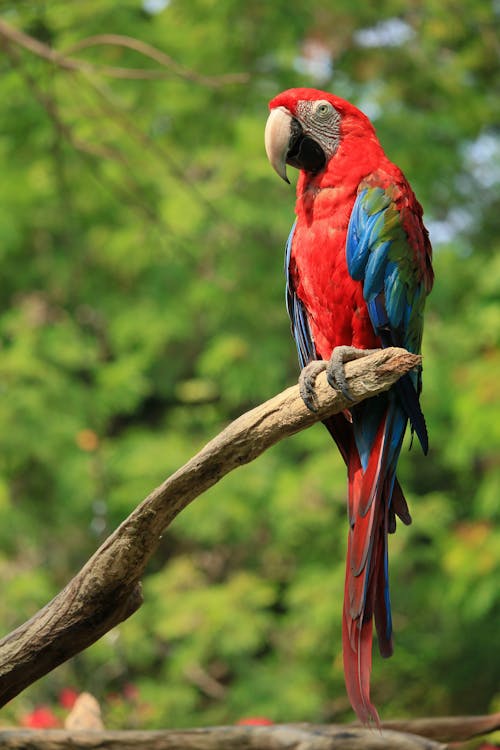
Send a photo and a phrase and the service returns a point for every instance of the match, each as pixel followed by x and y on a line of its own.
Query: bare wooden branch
pixel 153 53
pixel 67 62
pixel 277 737
pixel 447 728
pixel 412 734
pixel 107 590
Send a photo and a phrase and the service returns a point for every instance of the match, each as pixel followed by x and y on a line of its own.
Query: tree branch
pixel 66 62
pixel 413 734
pixel 277 737
pixel 447 728
pixel 107 590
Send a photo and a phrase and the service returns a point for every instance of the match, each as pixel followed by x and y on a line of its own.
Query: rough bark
pixel 412 734
pixel 282 736
pixel 107 590
pixel 447 728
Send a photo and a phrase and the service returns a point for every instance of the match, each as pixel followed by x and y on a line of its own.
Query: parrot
pixel 358 266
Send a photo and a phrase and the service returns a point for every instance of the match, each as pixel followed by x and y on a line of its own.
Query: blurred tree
pixel 141 236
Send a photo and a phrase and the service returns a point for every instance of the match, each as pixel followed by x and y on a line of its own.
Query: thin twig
pixel 48 103
pixel 143 48
pixel 128 188
pixel 67 62
pixel 126 123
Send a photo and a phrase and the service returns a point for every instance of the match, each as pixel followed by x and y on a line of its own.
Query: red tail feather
pixel 364 583
pixel 357 652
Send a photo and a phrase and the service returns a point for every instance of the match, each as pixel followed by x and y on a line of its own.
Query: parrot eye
pixel 323 109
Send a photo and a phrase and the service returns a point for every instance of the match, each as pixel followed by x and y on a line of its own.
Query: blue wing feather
pixel 395 295
pixel 375 271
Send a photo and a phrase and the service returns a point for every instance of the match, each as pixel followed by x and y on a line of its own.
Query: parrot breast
pixel 336 309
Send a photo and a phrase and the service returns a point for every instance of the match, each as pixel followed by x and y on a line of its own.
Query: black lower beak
pixel 303 151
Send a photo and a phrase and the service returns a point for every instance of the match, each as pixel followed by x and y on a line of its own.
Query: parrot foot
pixel 335 372
pixel 307 382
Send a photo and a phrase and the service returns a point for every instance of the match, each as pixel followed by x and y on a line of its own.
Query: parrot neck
pixel 335 187
pixel 356 157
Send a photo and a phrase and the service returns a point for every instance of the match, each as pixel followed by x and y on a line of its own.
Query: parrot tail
pixel 372 485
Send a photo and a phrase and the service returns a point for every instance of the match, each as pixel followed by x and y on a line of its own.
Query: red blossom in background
pixel 42 717
pixel 254 721
pixel 67 698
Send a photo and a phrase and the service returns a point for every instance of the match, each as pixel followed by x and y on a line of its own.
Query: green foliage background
pixel 141 250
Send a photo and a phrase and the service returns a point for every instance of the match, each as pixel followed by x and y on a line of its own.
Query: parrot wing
pixel 388 250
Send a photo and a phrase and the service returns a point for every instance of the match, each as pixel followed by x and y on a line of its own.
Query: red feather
pixel 364 574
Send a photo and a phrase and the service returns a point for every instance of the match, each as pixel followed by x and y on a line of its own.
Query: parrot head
pixel 306 128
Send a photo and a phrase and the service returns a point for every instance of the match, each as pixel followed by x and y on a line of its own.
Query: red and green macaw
pixel 358 268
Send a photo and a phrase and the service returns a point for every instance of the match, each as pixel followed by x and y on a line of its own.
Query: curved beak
pixel 277 139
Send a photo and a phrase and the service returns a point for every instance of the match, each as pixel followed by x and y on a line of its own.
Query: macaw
pixel 358 269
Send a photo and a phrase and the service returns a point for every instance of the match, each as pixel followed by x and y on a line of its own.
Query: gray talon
pixel 335 372
pixel 307 383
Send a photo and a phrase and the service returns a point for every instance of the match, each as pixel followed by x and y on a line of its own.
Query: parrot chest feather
pixel 336 309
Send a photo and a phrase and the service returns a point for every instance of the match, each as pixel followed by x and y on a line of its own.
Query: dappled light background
pixel 141 252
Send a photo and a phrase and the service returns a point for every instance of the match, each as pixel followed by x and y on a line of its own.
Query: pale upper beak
pixel 277 139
